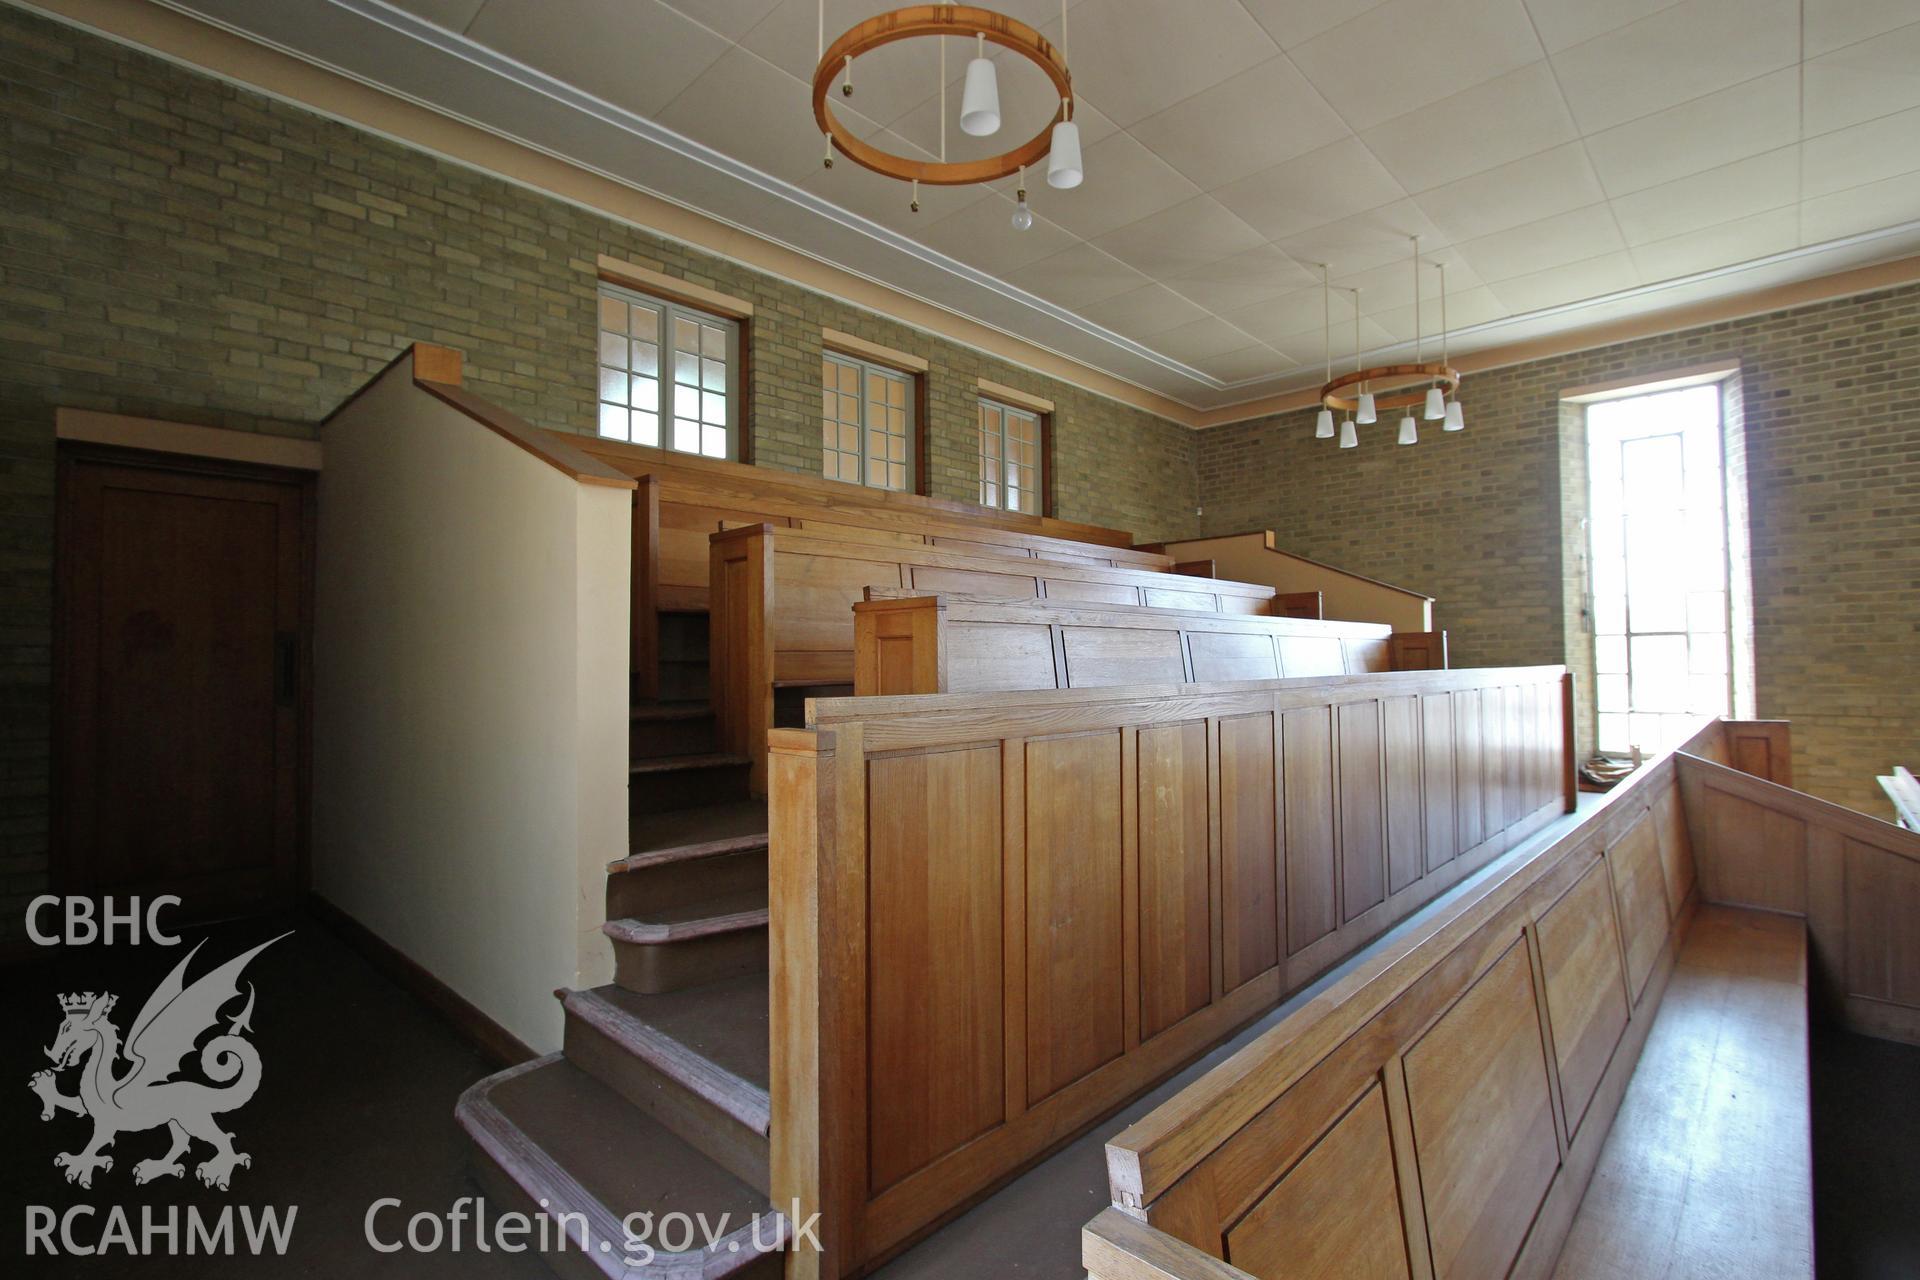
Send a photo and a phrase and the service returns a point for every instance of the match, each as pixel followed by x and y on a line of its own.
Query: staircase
pixel 658 1101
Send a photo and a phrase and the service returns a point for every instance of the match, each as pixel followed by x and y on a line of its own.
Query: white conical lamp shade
pixel 1365 414
pixel 1455 418
pixel 1348 436
pixel 1063 160
pixel 980 100
pixel 1436 405
pixel 1323 425
pixel 1409 431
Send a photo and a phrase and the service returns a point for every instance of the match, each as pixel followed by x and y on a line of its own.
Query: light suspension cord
pixel 943 95
pixel 1416 300
pixel 1326 320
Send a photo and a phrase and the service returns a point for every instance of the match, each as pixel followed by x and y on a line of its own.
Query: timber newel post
pixel 900 646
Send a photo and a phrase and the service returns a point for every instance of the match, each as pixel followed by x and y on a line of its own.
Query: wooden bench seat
pixel 1708 1170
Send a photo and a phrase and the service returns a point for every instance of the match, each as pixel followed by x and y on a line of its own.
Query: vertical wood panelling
pixel 1075 1020
pixel 1363 847
pixel 1176 941
pixel 1467 732
pixel 1641 894
pixel 1401 746
pixel 1586 990
pixel 1883 942
pixel 1249 869
pixel 1676 850
pixel 1442 813
pixel 1493 760
pixel 934 980
pixel 1312 896
pixel 1771 871
pixel 1483 1119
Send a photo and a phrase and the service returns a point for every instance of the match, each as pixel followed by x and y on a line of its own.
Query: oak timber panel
pixel 1363 843
pixel 1220 655
pixel 815 597
pixel 1091 592
pixel 1374 654
pixel 1514 775
pixel 1883 925
pixel 1493 760
pixel 1161 598
pixel 1401 746
pixel 1641 894
pixel 1121 655
pixel 1336 1214
pixel 1676 849
pixel 1176 935
pixel 1311 656
pixel 982 657
pixel 1586 989
pixel 1249 869
pixel 972 547
pixel 888 537
pixel 1312 891
pixel 1768 869
pixel 1001 586
pixel 934 973
pixel 1467 727
pixel 1242 604
pixel 1436 745
pixel 1483 1122
pixel 1073 908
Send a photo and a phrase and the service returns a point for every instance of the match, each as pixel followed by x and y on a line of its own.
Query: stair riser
pixel 651 739
pixel 636 893
pixel 723 1139
pixel 650 968
pixel 684 636
pixel 683 681
pixel 686 788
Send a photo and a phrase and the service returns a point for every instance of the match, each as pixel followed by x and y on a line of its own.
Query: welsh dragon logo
pixel 143 1096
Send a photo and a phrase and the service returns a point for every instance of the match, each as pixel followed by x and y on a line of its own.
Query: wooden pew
pixel 782 600
pixel 906 643
pixel 996 916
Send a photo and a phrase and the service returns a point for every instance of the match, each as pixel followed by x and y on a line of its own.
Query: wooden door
pixel 181 601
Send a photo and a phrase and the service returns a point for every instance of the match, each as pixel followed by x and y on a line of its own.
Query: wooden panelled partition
pixel 996 916
pixel 1436 1113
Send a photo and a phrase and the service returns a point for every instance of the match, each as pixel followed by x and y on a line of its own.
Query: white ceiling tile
pixel 636 54
pixel 1693 48
pixel 1242 280
pixel 454 15
pixel 1713 196
pixel 1573 282
pixel 1027 105
pixel 1364 240
pixel 1469 307
pixel 885 200
pixel 731 18
pixel 1513 194
pixel 1759 235
pixel 1832 24
pixel 1565 237
pixel 1077 276
pixel 1322 186
pixel 1198 339
pixel 1300 312
pixel 1124 183
pixel 1882 148
pixel 1141 56
pixel 1294 22
pixel 1502 119
pixel 1888 202
pixel 983 235
pixel 1407 53
pixel 1242 125
pixel 1864 81
pixel 753 111
pixel 1187 235
pixel 1757 115
pixel 1390 284
pixel 1564 23
pixel 887 83
pixel 1246 364
pixel 1142 313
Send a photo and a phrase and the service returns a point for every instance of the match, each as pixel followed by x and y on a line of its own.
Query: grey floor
pixel 1866 1157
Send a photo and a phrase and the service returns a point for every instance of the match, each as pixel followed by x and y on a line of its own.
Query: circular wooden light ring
pixel 1382 401
pixel 940 20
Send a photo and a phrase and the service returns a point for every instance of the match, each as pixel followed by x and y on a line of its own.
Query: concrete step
pixel 695 1060
pixel 549 1140
pixel 672 946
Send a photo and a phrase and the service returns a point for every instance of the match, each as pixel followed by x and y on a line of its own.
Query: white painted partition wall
pixel 470 709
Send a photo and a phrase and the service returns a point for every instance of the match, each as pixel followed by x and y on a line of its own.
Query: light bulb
pixel 1022 216
pixel 1455 418
pixel 1348 436
pixel 980 99
pixel 1323 425
pixel 1063 160
pixel 1409 433
pixel 1366 413
pixel 1436 405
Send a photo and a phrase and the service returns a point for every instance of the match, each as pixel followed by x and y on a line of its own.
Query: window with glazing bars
pixel 866 423
pixel 669 375
pixel 1009 457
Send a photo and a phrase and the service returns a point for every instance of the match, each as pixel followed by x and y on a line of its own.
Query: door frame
pixel 62 875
